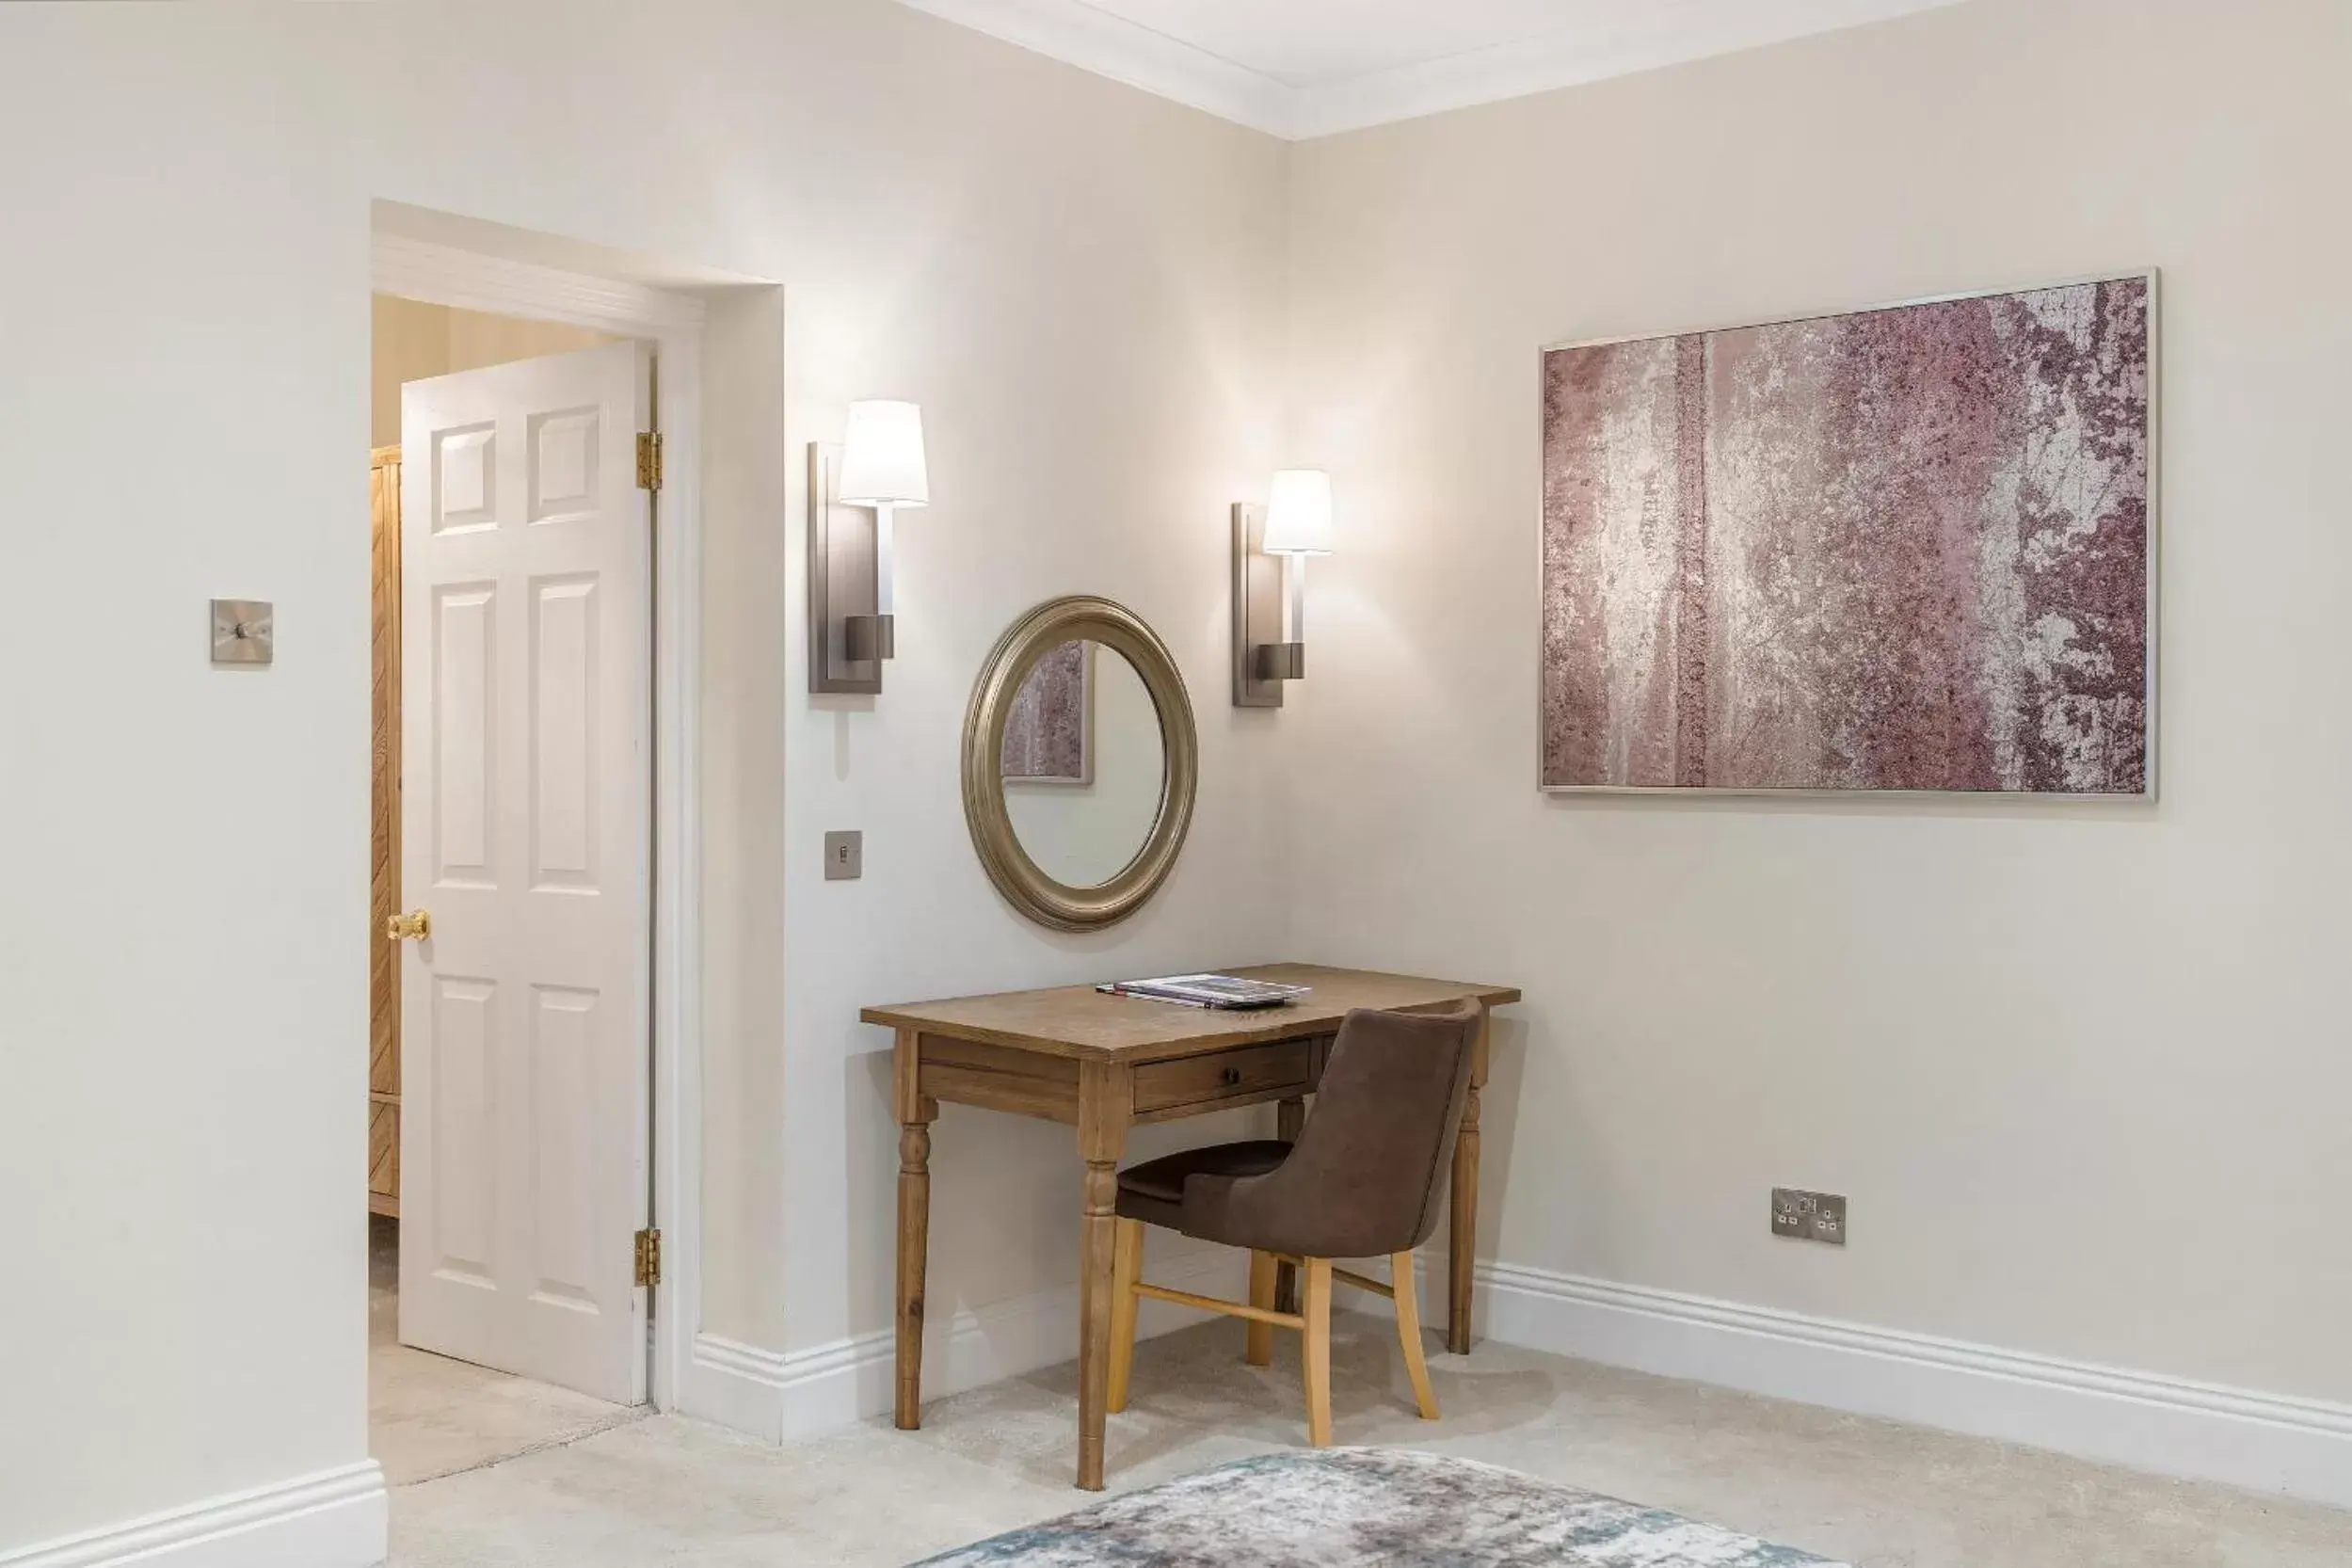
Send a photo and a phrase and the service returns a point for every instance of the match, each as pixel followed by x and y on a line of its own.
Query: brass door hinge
pixel 649 459
pixel 649 1257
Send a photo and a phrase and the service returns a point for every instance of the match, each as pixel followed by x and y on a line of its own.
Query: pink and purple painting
pixel 1902 548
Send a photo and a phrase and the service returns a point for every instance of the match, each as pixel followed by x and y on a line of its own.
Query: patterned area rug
pixel 1363 1506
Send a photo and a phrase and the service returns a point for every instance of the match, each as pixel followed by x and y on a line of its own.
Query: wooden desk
pixel 1105 1063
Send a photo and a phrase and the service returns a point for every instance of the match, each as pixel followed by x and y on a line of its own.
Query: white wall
pixel 184 324
pixel 2082 1070
pixel 1080 284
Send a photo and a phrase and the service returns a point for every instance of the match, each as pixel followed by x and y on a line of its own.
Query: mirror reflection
pixel 1084 767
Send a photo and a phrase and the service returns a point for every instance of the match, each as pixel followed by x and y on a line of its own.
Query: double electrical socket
pixel 1809 1216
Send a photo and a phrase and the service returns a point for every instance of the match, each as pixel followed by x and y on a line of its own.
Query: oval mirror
pixel 1078 763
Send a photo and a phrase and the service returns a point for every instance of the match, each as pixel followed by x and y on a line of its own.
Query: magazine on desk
pixel 1223 991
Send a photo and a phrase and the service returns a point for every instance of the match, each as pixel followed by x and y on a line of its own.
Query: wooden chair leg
pixel 1127 1267
pixel 1315 1305
pixel 1260 1348
pixel 1409 1332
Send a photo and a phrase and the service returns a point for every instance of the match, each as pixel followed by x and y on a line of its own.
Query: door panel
pixel 462 718
pixel 465 472
pixel 564 465
pixel 564 754
pixel 464 1106
pixel 526 581
pixel 563 1025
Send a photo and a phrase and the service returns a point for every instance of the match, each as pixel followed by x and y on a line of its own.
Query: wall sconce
pixel 1270 545
pixel 854 490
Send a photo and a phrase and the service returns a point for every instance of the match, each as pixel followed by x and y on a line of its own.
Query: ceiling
pixel 1309 68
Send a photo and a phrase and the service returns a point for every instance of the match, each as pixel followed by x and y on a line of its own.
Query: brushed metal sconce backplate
pixel 1257 610
pixel 847 640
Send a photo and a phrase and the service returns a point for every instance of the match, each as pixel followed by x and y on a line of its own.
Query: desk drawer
pixel 1245 1073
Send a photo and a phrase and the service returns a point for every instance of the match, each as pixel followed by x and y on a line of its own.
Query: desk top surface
pixel 1079 1021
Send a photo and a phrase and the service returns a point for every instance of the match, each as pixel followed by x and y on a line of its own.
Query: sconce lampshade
pixel 1298 514
pixel 882 456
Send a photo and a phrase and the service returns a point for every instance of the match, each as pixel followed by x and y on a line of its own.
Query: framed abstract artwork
pixel 1902 548
pixel 1050 730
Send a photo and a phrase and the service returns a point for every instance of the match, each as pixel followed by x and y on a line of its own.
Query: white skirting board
pixel 2170 1426
pixel 780 1394
pixel 333 1519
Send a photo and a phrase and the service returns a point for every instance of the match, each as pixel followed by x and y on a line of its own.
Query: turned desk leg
pixel 1094 1326
pixel 915 1115
pixel 1105 1105
pixel 1462 1228
pixel 1289 1115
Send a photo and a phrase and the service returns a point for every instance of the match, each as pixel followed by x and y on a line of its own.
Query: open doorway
pixel 510 1066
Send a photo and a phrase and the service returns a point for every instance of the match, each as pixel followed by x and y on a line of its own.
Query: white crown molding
pixel 1081 35
pixel 334 1519
pixel 2148 1421
pixel 1665 33
pixel 782 1395
pixel 1543 64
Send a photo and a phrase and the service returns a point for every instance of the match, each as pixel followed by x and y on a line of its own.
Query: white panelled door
pixel 526 792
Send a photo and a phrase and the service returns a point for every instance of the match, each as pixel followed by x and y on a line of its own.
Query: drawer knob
pixel 1230 1076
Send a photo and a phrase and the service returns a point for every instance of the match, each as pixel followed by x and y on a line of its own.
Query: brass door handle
pixel 416 927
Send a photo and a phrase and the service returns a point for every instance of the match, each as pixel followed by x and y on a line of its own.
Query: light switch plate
pixel 244 632
pixel 845 855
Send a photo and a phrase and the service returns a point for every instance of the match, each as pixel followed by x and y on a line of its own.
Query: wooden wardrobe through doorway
pixel 383 966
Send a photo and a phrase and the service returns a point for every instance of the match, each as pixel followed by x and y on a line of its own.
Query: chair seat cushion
pixel 1154 1191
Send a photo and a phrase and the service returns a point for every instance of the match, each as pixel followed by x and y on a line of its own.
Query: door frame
pixel 673 323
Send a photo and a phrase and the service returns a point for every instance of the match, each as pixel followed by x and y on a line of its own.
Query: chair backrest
pixel 1365 1176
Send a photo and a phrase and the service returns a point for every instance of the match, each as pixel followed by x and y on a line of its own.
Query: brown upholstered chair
pixel 1363 1181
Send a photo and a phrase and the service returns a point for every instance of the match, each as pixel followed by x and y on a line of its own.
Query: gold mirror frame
pixel 1022 881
